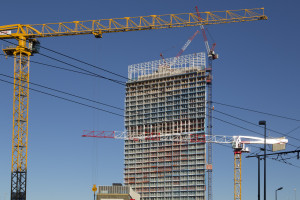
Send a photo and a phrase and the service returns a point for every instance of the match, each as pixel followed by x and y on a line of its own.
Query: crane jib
pixel 100 26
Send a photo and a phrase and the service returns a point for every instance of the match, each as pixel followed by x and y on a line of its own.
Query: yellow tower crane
pixel 26 35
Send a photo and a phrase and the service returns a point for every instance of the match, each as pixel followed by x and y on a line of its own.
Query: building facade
pixel 166 97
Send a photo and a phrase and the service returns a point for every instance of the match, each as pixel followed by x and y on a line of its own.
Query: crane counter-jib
pixel 100 26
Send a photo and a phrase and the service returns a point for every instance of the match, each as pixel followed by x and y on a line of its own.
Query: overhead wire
pixel 73 95
pixel 285 162
pixel 238 118
pixel 256 111
pixel 275 158
pixel 70 70
pixel 58 60
pixel 97 75
pixel 83 62
pixel 236 125
pixel 65 69
pixel 70 57
pixel 224 121
pixel 288 163
pixel 241 127
pixel 63 98
pixel 292 130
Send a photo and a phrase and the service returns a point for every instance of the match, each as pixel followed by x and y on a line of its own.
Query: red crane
pixel 182 48
pixel 187 44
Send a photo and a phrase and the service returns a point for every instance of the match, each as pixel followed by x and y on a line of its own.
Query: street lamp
pixel 276 192
pixel 265 160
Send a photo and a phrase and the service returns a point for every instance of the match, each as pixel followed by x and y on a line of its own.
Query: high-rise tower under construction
pixel 166 97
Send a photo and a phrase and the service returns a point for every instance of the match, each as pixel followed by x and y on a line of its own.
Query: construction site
pixel 171 127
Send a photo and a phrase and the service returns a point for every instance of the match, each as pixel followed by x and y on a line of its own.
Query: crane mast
pixel 21 54
pixel 26 34
pixel 211 56
pixel 20 121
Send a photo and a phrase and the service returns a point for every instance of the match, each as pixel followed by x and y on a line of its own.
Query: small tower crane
pixel 238 144
pixel 239 147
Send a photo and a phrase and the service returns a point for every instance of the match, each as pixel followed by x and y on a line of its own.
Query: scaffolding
pixel 165 97
pixel 166 67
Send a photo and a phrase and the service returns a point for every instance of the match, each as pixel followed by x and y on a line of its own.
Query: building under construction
pixel 166 97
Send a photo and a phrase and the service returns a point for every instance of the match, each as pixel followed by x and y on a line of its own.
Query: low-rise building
pixel 117 192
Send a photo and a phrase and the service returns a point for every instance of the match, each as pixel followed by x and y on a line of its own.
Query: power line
pixel 256 111
pixel 70 57
pixel 257 124
pixel 58 60
pixel 237 125
pixel 288 163
pixel 278 153
pixel 293 130
pixel 65 69
pixel 80 97
pixel 70 70
pixel 281 159
pixel 243 128
pixel 83 104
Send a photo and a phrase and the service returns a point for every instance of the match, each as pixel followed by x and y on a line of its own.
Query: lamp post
pixel 265 160
pixel 295 193
pixel 276 192
pixel 258 178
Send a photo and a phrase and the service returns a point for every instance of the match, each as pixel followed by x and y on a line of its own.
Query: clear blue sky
pixel 258 68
